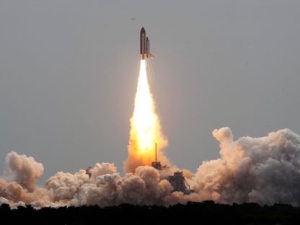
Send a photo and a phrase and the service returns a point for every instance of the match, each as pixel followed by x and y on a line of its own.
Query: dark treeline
pixel 202 213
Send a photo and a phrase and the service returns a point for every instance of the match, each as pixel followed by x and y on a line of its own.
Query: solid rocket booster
pixel 145 45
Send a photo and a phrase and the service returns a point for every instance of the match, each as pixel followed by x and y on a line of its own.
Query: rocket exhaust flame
pixel 145 127
pixel 143 116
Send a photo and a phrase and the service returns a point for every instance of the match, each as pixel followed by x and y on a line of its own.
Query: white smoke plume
pixel 265 170
pixel 24 170
pixel 18 187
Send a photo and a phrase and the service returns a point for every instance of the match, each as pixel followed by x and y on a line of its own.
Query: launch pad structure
pixel 156 164
pixel 177 180
pixel 179 183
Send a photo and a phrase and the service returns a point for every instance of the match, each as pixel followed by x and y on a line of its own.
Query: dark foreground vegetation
pixel 199 213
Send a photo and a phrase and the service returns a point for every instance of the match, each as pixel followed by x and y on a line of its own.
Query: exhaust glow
pixel 145 128
pixel 144 116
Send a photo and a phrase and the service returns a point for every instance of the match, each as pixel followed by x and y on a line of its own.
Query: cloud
pixel 265 170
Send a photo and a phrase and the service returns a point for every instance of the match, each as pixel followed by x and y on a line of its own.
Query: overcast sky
pixel 69 69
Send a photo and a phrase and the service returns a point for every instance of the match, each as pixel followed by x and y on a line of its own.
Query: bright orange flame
pixel 145 128
pixel 143 116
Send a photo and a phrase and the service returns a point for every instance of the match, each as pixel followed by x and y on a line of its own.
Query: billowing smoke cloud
pixel 100 185
pixel 19 184
pixel 265 170
pixel 24 170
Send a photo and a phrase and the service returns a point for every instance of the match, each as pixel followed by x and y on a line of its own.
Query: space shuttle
pixel 145 45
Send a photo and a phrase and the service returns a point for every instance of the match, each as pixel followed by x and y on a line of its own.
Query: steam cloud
pixel 265 170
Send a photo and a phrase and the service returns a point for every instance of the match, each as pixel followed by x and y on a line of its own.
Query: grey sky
pixel 69 69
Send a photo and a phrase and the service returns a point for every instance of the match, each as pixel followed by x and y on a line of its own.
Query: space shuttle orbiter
pixel 145 45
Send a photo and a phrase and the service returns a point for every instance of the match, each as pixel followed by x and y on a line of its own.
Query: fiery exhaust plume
pixel 145 128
